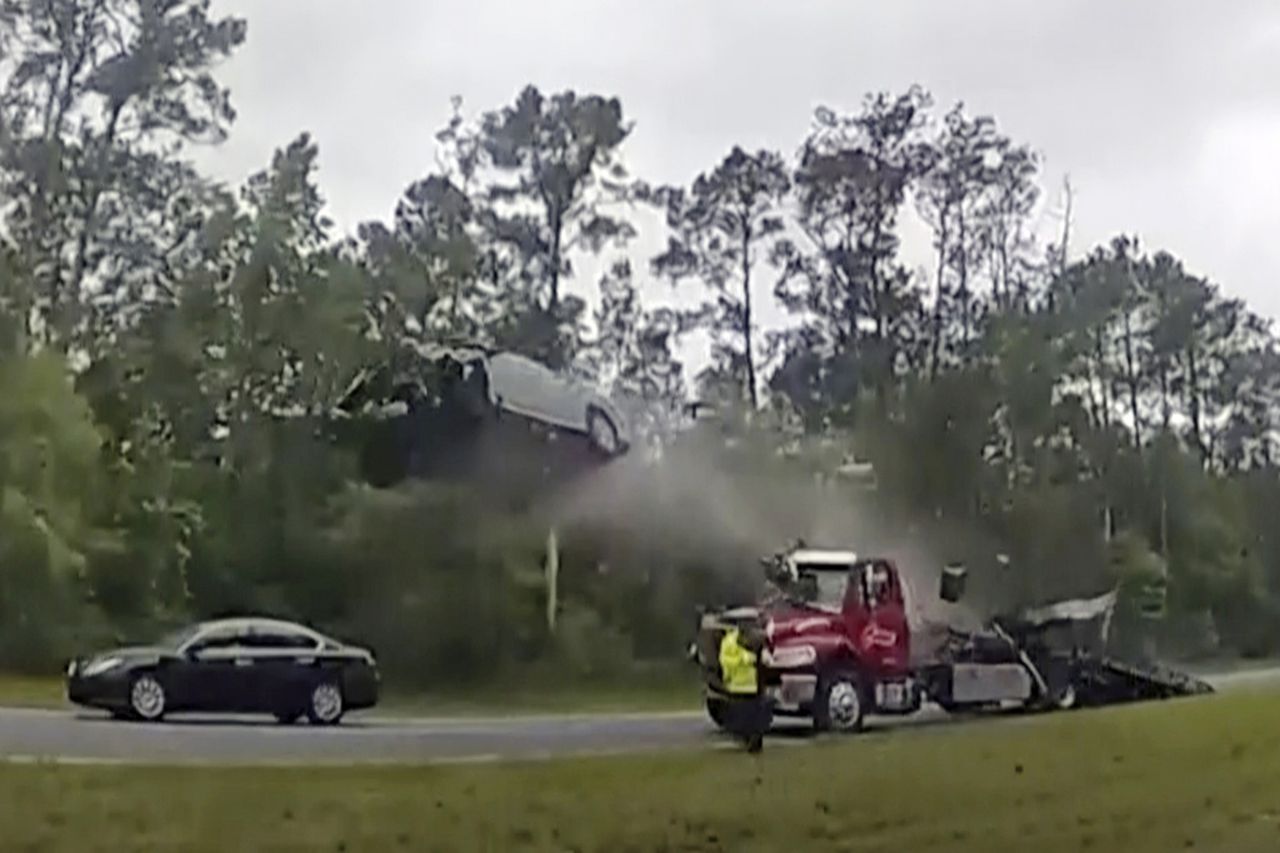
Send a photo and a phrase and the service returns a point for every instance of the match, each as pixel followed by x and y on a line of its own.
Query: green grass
pixel 1198 774
pixel 666 691
pixel 31 691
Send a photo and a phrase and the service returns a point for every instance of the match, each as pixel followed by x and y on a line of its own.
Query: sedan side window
pixel 220 640
pixel 279 640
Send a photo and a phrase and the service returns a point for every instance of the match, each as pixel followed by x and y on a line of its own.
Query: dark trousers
pixel 748 719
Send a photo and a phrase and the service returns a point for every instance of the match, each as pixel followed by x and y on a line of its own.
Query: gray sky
pixel 1166 113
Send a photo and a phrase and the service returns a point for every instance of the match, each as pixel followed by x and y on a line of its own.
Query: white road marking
pixel 506 738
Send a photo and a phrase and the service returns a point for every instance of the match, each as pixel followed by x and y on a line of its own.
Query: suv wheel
pixel 838 704
pixel 602 432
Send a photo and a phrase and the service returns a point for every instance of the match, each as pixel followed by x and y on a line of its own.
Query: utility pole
pixel 552 578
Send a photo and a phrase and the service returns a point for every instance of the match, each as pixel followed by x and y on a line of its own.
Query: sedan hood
pixel 125 654
pixel 131 652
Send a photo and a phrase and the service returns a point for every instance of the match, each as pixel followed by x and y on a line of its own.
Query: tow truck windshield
pixel 823 586
pixel 826 586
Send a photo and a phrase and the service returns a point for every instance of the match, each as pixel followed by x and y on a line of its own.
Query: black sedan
pixel 234 666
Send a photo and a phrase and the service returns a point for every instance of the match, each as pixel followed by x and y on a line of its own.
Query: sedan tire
pixel 147 697
pixel 325 706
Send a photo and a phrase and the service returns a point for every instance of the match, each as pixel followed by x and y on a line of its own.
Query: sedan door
pixel 284 668
pixel 216 673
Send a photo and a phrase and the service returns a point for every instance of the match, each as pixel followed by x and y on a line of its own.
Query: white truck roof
pixel 823 557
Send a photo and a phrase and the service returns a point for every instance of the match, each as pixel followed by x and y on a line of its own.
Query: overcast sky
pixel 1165 113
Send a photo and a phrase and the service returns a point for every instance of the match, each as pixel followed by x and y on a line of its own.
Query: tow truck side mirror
pixel 952 584
pixel 774 571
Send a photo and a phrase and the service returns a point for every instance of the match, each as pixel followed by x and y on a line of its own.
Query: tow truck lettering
pixel 874 635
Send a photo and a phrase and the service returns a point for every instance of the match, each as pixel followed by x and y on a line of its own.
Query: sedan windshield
pixel 176 639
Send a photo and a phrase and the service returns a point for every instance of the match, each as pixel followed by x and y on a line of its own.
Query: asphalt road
pixel 76 736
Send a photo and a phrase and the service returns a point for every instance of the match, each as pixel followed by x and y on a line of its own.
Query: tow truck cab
pixel 838 639
pixel 836 615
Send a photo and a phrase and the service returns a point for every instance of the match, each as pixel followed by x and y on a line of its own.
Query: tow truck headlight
pixel 791 657
pixel 98 667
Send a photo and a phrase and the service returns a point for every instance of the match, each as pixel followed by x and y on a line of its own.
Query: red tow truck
pixel 840 647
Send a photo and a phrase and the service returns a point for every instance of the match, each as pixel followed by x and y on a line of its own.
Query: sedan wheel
pixel 146 698
pixel 325 707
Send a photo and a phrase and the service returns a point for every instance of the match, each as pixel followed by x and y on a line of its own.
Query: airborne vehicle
pixel 840 646
pixel 507 382
pixel 459 409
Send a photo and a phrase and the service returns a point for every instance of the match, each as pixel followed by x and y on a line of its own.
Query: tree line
pixel 170 345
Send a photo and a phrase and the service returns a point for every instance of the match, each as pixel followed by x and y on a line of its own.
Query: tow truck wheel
pixel 717 711
pixel 1066 698
pixel 838 703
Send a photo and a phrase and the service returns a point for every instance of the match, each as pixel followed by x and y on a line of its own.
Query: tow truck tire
pixel 839 704
pixel 718 712
pixel 1066 699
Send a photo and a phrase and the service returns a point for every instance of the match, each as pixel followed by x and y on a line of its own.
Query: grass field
pixel 29 691
pixel 1198 774
pixel 677 691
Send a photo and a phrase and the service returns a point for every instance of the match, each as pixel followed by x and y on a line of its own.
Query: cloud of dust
pixel 690 497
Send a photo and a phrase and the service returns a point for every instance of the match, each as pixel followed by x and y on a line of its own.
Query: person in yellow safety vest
pixel 747 716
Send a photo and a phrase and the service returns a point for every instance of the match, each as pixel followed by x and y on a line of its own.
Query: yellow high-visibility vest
pixel 737 664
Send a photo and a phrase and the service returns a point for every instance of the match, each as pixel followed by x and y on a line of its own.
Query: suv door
pixel 530 389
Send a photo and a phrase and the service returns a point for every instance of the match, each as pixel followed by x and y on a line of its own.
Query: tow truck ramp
pixel 1108 681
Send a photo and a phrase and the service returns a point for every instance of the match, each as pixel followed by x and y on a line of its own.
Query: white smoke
pixel 692 497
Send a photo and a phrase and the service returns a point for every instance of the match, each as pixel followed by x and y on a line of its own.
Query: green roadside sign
pixel 1153 598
